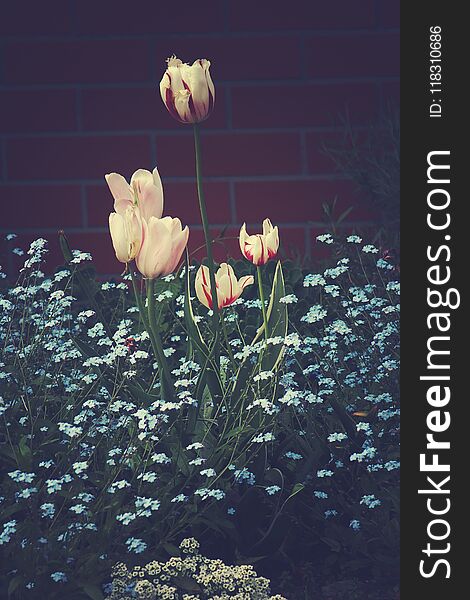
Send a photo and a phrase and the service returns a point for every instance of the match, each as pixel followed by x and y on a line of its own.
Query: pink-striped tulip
pixel 144 191
pixel 187 90
pixel 229 288
pixel 163 242
pixel 126 233
pixel 259 248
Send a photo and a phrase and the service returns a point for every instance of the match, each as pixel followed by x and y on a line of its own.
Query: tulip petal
pixel 180 242
pixel 245 281
pixel 118 237
pixel 188 91
pixel 120 206
pixel 155 250
pixel 206 64
pixel 267 227
pixel 242 239
pixel 225 291
pixel 272 242
pixel 149 190
pixel 119 188
pixel 261 247
pixel 199 90
pixel 202 286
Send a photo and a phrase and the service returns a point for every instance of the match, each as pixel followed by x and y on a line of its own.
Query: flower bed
pixel 140 411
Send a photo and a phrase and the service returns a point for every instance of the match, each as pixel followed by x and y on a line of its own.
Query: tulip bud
pixel 163 242
pixel 187 90
pixel 126 233
pixel 259 248
pixel 144 191
pixel 228 287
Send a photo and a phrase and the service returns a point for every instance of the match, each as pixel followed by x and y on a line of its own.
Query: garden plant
pixel 250 405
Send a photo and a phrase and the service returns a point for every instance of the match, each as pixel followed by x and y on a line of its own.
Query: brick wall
pixel 78 94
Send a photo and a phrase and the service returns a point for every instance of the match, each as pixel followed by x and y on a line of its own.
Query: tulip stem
pixel 205 226
pixel 227 341
pixel 138 298
pixel 167 386
pixel 261 297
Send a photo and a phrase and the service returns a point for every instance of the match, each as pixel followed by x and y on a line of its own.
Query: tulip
pixel 228 287
pixel 187 90
pixel 126 233
pixel 144 191
pixel 261 247
pixel 163 242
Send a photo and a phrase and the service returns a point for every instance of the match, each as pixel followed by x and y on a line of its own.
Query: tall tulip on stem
pixel 156 244
pixel 163 243
pixel 189 95
pixel 258 249
pixel 229 289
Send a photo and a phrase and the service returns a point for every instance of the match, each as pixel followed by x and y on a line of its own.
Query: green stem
pixel 261 297
pixel 227 341
pixel 138 298
pixel 143 314
pixel 166 381
pixel 205 226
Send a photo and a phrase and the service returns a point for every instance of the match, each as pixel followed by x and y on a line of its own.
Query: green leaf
pixel 141 394
pixel 24 448
pixel 171 549
pixel 14 584
pixel 187 584
pixel 197 345
pixel 196 341
pixel 182 462
pixel 277 322
pixel 298 487
pixel 277 325
pixel 333 544
pixel 92 591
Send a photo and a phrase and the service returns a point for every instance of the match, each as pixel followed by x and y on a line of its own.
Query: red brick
pixel 231 154
pixel 40 206
pixel 90 157
pixel 302 105
pixel 101 248
pixel 136 108
pixel 319 162
pixel 354 55
pixel 84 61
pixel 225 244
pixel 265 15
pixel 295 201
pixel 118 16
pixel 389 13
pixel 180 201
pixel 292 242
pixel 37 110
pixel 237 57
pixel 35 18
pixel 97 243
